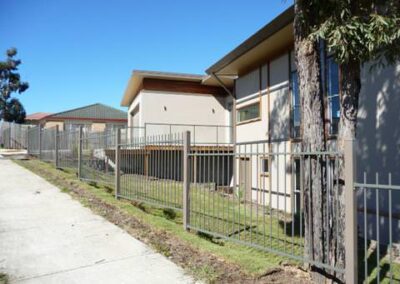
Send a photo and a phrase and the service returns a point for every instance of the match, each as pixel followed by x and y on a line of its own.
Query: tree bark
pixel 313 138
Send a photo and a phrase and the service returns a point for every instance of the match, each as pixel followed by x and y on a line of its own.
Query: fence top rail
pixel 133 127
pixel 376 186
pixel 97 135
pixel 191 125
pixel 264 154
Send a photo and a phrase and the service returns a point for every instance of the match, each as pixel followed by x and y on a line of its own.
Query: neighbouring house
pixel 267 108
pixel 95 118
pixel 36 118
pixel 162 105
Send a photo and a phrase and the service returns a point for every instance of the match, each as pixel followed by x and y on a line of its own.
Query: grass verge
pixel 3 278
pixel 205 258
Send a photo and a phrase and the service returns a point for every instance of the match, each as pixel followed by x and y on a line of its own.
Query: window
pixel 248 112
pixel 265 166
pixel 332 92
pixel 296 108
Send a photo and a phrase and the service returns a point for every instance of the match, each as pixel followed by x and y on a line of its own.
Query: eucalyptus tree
pixel 11 108
pixel 355 32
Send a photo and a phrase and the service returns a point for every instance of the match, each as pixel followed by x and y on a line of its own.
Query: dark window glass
pixel 265 166
pixel 248 112
pixel 297 188
pixel 333 94
pixel 296 110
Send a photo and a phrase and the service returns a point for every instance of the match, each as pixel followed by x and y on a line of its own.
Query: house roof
pixel 37 116
pixel 182 81
pixel 267 42
pixel 96 111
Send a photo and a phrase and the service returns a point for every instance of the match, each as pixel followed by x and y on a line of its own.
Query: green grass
pixel 3 278
pixel 251 261
pixel 372 264
pixel 225 215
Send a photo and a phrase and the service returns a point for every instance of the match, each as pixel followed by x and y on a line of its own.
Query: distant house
pixel 164 102
pixel 36 118
pixel 96 117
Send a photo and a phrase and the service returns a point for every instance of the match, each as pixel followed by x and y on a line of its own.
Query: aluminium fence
pixel 379 228
pixel 13 135
pixel 253 193
pixel 48 144
pixel 261 202
pixel 67 149
pixel 33 146
pixel 200 134
pixel 151 170
pixel 97 162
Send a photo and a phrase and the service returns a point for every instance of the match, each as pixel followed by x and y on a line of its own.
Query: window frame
pixel 238 109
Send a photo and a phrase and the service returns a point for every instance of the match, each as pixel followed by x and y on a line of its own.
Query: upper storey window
pixel 296 107
pixel 295 100
pixel 248 113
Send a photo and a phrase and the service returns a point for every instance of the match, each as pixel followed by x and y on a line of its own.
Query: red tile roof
pixel 37 115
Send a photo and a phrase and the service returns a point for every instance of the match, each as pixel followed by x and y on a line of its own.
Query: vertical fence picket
pixel 80 152
pixel 117 164
pixel 186 180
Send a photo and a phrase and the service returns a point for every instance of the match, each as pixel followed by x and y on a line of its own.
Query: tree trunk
pixel 313 139
pixel 350 90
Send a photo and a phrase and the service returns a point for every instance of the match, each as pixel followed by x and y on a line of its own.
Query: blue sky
pixel 78 52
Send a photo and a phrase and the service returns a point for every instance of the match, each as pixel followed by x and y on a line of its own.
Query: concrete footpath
pixel 47 237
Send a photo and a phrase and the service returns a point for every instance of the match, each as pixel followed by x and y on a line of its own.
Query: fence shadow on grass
pixel 293 227
pixel 370 258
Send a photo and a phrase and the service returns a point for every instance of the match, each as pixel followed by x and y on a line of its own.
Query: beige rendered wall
pixel 248 92
pixel 135 120
pixel 253 87
pixel 50 124
pixel 185 108
pixel 378 141
pixel 98 127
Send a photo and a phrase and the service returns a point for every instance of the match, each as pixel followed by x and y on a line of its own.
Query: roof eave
pixel 264 33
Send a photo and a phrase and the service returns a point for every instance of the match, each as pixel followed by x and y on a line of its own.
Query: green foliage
pixel 358 30
pixel 169 213
pixel 3 278
pixel 11 109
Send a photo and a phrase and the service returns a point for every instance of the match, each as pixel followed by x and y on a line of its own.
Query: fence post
pixel 145 131
pixel 28 132
pixel 186 180
pixel 351 257
pixel 56 148
pixel 10 138
pixel 80 148
pixel 117 171
pixel 40 141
